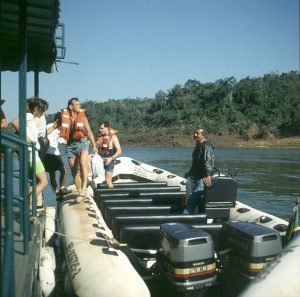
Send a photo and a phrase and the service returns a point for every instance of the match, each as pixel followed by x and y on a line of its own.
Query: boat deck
pixel 135 211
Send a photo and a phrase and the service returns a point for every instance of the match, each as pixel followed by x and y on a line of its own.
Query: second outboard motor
pixel 250 248
pixel 186 259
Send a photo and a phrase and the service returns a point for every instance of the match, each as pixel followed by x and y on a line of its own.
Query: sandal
pixel 78 199
pixel 83 193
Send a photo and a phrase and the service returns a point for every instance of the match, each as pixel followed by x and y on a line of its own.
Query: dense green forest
pixel 253 108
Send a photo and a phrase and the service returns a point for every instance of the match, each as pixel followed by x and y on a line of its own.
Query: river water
pixel 269 179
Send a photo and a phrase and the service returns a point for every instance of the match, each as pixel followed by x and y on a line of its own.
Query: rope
pixel 106 236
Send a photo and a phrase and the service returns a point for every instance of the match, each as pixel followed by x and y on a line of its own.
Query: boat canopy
pixel 35 22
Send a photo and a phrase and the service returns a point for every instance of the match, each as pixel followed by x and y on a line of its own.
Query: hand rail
pixel 15 201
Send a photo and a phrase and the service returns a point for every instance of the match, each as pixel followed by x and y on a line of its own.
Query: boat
pixel 132 240
pixel 221 248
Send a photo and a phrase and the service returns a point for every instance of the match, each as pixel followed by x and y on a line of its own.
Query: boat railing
pixel 15 210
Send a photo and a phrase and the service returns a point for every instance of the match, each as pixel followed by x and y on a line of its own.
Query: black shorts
pixel 53 163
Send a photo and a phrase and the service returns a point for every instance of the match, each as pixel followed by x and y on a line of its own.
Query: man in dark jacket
pixel 201 170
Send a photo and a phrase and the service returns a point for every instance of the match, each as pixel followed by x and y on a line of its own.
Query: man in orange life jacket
pixel 109 149
pixel 75 129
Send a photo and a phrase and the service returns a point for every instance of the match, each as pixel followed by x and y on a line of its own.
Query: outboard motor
pixel 186 259
pixel 250 248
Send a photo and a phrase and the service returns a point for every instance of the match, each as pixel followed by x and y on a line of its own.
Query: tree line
pixel 251 108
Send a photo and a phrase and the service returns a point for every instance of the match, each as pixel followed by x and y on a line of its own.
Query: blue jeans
pixel 196 196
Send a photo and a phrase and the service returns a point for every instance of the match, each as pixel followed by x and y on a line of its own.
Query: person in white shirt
pixel 35 108
pixel 42 130
pixel 53 161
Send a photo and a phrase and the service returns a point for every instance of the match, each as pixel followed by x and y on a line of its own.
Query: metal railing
pixel 15 198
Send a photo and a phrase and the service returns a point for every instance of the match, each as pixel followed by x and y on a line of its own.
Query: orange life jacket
pixel 104 140
pixel 72 129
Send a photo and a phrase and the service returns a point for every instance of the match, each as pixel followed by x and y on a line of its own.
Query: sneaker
pixel 65 191
pixel 40 209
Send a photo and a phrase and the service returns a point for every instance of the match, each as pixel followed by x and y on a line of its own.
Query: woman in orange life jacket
pixel 75 129
pixel 109 149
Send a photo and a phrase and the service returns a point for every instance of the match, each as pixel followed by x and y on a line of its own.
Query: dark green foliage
pixel 251 108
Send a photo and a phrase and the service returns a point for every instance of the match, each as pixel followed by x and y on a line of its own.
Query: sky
pixel 134 48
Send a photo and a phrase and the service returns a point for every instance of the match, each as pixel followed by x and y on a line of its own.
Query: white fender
pixel 50 225
pixel 95 268
pixel 47 271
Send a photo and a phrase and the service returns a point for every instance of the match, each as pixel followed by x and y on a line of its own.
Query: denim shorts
pixel 76 146
pixel 110 167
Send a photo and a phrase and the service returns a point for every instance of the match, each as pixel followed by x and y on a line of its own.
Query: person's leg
pixel 84 168
pixel 193 201
pixel 41 184
pixel 73 163
pixel 62 177
pixel 108 179
pixel 196 196
pixel 89 165
pixel 59 165
pixel 53 181
pixel 189 186
pixel 50 167
pixel 39 200
pixel 109 169
pixel 62 181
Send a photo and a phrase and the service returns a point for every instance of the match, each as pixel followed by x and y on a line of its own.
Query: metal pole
pixel 36 84
pixel 22 120
pixel 8 280
pixel 33 192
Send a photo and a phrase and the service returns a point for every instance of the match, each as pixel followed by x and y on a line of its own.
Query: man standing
pixel 201 170
pixel 109 149
pixel 75 128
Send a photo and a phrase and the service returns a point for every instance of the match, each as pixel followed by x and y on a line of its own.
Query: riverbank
pixel 218 141
pixel 235 141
